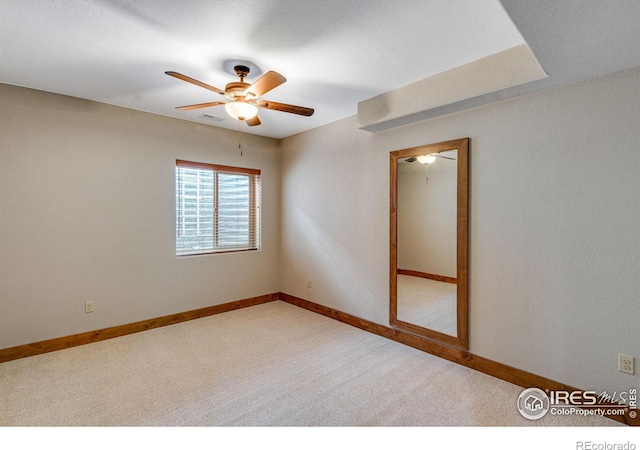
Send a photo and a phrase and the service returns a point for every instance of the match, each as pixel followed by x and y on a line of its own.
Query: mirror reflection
pixel 428 281
pixel 427 237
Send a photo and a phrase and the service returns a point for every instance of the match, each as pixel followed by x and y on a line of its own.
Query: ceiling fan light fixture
pixel 241 110
pixel 244 104
pixel 426 159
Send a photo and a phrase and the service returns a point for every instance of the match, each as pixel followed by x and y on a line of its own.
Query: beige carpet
pixel 268 365
pixel 428 303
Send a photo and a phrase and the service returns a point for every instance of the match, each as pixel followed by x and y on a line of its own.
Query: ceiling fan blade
pixel 412 159
pixel 253 122
pixel 446 157
pixel 265 83
pixel 179 76
pixel 300 110
pixel 199 105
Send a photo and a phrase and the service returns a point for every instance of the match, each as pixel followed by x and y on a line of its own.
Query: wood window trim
pixel 254 205
pixel 217 167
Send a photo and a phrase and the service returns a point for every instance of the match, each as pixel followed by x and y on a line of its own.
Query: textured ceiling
pixel 334 53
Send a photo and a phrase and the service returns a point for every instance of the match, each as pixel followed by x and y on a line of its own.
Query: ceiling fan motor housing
pixel 236 89
pixel 242 71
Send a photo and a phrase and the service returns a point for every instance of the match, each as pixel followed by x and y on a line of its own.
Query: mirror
pixel 429 243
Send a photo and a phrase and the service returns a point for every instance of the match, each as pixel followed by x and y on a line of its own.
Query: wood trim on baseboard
pixel 429 276
pixel 502 371
pixel 495 369
pixel 38 348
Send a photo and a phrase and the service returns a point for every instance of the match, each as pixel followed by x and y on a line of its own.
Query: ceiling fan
pixel 243 96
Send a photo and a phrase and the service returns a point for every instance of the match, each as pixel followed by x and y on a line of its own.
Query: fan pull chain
pixel 426 174
pixel 240 136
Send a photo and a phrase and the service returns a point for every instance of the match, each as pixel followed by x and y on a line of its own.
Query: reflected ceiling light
pixel 426 159
pixel 241 110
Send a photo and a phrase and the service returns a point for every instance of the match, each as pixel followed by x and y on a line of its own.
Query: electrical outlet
pixel 625 364
pixel 309 283
pixel 88 307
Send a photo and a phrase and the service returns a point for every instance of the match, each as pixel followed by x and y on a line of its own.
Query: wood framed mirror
pixel 429 241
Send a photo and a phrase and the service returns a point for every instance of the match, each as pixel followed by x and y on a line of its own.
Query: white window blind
pixel 217 208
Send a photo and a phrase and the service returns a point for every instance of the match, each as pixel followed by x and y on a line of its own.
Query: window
pixel 217 208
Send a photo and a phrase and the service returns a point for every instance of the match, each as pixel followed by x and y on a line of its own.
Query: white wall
pixel 554 225
pixel 334 222
pixel 87 213
pixel 427 217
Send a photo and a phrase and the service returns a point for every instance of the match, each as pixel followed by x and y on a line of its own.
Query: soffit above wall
pixel 572 40
pixel 508 68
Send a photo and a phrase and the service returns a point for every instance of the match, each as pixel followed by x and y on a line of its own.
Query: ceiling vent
pixel 211 117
